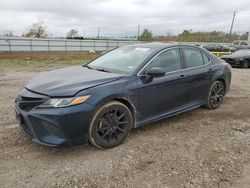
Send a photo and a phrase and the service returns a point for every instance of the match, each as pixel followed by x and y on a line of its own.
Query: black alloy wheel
pixel 110 125
pixel 216 93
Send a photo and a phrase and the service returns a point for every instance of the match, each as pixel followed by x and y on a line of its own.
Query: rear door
pixel 198 74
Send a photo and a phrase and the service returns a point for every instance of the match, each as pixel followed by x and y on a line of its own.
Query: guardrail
pixel 14 44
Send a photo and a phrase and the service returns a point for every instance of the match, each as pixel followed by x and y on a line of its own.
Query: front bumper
pixel 233 63
pixel 54 126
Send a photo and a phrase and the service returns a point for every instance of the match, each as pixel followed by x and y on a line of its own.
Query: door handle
pixel 210 70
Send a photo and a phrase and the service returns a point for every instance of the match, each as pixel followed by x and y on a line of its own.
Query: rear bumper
pixel 56 126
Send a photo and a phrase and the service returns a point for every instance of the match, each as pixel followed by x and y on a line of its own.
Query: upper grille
pixel 229 60
pixel 27 103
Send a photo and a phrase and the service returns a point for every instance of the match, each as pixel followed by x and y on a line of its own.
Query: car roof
pixel 159 45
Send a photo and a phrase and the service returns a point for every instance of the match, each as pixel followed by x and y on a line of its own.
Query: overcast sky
pixel 120 18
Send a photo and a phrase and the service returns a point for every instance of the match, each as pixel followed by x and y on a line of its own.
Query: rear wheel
pixel 245 64
pixel 110 125
pixel 216 92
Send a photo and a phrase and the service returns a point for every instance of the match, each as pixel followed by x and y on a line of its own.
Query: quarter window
pixel 170 60
pixel 193 57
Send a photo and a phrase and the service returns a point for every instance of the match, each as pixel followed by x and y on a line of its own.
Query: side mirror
pixel 156 72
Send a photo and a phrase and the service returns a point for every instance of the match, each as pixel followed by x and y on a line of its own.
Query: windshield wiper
pixel 89 67
pixel 98 69
pixel 103 70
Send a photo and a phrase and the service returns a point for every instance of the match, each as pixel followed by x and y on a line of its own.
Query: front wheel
pixel 216 92
pixel 245 64
pixel 110 125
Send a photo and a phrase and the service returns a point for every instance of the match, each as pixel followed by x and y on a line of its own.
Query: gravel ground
pixel 201 148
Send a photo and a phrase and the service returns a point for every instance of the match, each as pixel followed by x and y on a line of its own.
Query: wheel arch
pixel 129 104
pixel 223 82
pixel 127 101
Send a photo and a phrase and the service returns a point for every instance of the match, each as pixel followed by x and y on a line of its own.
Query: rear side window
pixel 206 59
pixel 170 60
pixel 192 57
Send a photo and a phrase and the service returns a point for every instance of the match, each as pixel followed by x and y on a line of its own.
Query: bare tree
pixel 72 33
pixel 37 30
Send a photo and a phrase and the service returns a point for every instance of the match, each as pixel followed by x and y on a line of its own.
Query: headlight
pixel 64 102
pixel 239 59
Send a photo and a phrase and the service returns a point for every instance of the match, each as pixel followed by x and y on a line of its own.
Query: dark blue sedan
pixel 125 88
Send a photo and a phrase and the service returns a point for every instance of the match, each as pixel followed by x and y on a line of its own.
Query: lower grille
pixel 53 129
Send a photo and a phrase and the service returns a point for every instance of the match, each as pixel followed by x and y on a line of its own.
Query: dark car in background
pixel 219 48
pixel 240 58
pixel 125 88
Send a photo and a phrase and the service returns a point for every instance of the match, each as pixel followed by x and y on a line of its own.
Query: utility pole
pixel 84 32
pixel 98 35
pixel 138 31
pixel 248 36
pixel 232 25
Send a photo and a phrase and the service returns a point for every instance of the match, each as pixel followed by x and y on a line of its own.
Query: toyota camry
pixel 128 87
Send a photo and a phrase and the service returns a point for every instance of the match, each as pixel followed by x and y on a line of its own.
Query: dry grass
pixel 24 59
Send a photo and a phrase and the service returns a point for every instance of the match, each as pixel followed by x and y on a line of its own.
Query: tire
pixel 215 95
pixel 245 64
pixel 110 125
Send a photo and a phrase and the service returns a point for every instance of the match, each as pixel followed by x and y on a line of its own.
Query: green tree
pixel 146 35
pixel 73 33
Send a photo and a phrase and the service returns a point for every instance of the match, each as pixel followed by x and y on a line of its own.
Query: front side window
pixel 170 60
pixel 236 43
pixel 192 57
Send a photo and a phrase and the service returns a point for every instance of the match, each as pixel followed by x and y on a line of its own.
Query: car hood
pixel 69 81
pixel 233 56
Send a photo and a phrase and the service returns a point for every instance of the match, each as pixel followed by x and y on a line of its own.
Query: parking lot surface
pixel 201 148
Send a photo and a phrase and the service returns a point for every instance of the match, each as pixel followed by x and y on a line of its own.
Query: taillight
pixel 229 67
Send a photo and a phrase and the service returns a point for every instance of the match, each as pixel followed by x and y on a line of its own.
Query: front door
pixel 159 96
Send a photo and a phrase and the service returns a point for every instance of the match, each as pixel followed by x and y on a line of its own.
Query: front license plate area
pixel 18 117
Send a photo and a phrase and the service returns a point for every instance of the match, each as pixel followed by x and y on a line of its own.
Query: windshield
pixel 241 52
pixel 121 60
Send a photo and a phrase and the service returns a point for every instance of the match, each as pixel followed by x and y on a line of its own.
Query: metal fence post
pixel 49 45
pixel 31 45
pixel 9 45
pixel 65 46
pixel 81 46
